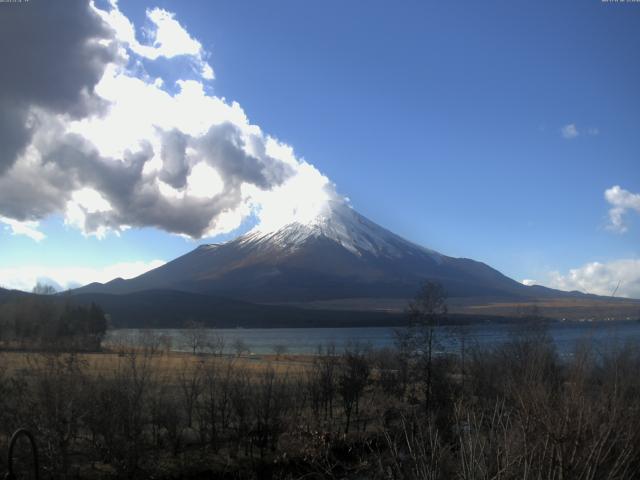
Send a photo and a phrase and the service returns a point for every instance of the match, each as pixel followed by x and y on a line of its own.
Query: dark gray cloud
pixel 223 147
pixel 14 132
pixel 51 59
pixel 175 167
pixel 68 162
pixel 31 192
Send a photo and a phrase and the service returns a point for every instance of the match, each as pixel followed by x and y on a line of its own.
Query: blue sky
pixel 488 130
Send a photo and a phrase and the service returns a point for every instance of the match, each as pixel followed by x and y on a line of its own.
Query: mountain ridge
pixel 338 254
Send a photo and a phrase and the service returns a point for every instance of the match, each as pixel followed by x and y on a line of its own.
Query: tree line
pixel 44 320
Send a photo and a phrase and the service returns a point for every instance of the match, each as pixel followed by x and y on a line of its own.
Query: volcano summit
pixel 337 255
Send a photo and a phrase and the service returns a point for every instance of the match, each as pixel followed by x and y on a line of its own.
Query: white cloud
pixel 570 131
pixel 206 71
pixel 229 220
pixel 27 228
pixel 90 200
pixel 204 182
pixel 528 282
pixel 621 202
pixel 601 278
pixel 84 202
pixel 187 162
pixel 25 277
pixel 299 199
pixel 169 38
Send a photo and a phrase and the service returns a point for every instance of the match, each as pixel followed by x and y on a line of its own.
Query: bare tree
pixel 280 350
pixel 214 342
pixel 269 404
pixel 57 406
pixel 322 381
pixel 240 403
pixel 214 407
pixel 166 343
pixel 354 374
pixel 120 413
pixel 195 337
pixel 209 403
pixel 150 341
pixel 240 347
pixel 461 335
pixel 190 380
pixel 426 311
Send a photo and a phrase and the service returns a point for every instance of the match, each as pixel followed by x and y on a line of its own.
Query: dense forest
pixel 47 321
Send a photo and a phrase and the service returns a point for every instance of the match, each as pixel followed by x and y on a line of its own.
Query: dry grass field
pixel 568 308
pixel 168 365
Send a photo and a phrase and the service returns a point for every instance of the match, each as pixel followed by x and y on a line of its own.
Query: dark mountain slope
pixel 340 254
pixel 171 309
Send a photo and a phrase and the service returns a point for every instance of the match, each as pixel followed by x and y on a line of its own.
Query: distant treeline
pixel 171 309
pixel 48 321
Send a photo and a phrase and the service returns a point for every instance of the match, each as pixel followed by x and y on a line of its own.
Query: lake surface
pixel 260 341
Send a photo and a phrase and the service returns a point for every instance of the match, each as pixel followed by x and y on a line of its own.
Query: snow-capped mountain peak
pixel 338 222
pixel 336 254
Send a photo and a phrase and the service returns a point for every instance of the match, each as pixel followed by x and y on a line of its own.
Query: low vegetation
pixel 511 411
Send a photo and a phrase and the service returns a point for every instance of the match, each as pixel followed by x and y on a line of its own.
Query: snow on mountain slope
pixel 340 223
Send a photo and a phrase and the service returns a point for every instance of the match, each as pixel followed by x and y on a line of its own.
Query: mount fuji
pixel 338 255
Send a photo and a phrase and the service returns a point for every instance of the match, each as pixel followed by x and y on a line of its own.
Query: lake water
pixel 261 341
